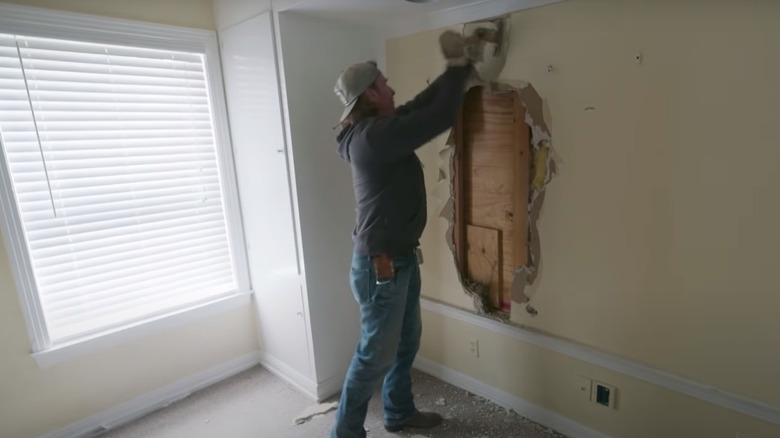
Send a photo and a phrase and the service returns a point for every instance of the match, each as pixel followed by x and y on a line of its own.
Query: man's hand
pixel 453 47
pixel 459 50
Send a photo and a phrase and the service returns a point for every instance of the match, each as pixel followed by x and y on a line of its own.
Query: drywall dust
pixel 315 411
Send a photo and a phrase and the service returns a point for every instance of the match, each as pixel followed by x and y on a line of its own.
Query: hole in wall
pixel 491 176
pixel 500 164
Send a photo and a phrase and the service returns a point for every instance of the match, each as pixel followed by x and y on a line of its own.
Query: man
pixel 379 142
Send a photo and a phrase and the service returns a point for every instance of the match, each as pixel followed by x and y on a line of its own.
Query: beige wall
pixel 35 401
pixel 189 13
pixel 659 235
pixel 550 380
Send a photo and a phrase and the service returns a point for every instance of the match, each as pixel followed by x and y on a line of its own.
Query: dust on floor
pixel 257 404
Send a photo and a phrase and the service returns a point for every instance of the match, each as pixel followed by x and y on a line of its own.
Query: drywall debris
pixel 479 292
pixel 495 46
pixel 314 411
pixel 441 402
pixel 444 153
pixel 441 190
pixel 535 246
pixel 448 210
pixel 546 115
pixel 519 280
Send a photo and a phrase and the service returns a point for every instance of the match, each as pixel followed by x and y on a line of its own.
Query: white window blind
pixel 114 167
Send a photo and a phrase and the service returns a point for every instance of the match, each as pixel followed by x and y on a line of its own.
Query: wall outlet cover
pixel 603 394
pixel 584 385
pixel 474 346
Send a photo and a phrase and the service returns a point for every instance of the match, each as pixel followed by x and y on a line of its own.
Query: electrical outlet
pixel 584 385
pixel 603 394
pixel 474 346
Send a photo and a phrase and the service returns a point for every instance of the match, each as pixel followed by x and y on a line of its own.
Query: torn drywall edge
pixel 543 168
pixel 441 191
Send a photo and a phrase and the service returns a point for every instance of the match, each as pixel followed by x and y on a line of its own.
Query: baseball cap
pixel 353 82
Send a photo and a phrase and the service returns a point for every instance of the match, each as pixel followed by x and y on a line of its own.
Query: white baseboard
pixel 283 371
pixel 330 387
pixel 698 390
pixel 502 398
pixel 159 398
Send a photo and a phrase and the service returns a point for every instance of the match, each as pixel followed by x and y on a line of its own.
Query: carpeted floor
pixel 256 404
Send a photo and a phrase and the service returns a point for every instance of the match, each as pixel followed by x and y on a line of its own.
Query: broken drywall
pixel 494 48
pixel 543 168
pixel 494 37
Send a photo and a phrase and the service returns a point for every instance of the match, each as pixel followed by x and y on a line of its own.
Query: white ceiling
pixel 398 17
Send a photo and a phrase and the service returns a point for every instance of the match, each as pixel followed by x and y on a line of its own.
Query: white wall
pixel 314 51
pixel 228 13
pixel 255 111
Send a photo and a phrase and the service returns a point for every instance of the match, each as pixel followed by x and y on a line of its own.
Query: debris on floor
pixel 314 411
pixel 468 415
pixel 256 403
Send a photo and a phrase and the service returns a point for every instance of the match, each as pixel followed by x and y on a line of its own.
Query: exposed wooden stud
pixel 491 175
pixel 521 191
pixel 458 167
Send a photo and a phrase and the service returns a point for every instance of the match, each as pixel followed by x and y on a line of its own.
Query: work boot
pixel 420 420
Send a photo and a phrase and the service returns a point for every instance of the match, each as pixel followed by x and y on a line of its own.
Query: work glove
pixel 458 50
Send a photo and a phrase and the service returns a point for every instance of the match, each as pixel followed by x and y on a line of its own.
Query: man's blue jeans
pixel 389 340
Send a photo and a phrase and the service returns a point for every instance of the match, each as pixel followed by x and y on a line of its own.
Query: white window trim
pixel 151 326
pixel 37 22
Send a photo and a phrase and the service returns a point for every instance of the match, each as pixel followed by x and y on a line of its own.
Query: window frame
pixel 37 22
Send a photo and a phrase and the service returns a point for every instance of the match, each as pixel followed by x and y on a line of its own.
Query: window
pixel 119 199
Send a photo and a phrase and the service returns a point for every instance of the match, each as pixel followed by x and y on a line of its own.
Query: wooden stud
pixel 458 167
pixel 522 181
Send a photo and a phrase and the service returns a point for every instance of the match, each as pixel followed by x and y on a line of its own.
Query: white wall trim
pixel 159 398
pixel 707 393
pixel 329 387
pixel 502 398
pixel 289 375
pixel 147 327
